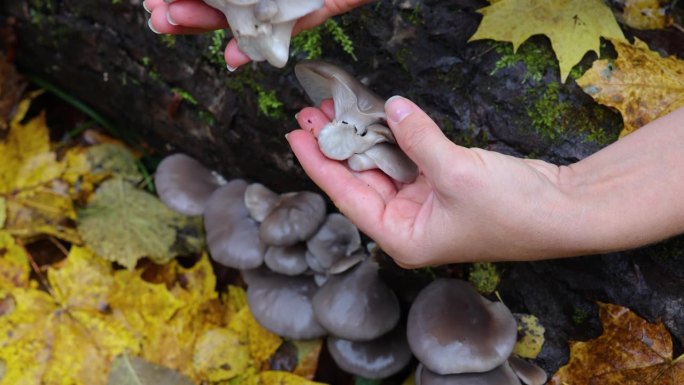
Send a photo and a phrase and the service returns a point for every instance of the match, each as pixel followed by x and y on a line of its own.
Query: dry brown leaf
pixel 631 351
pixel 12 86
pixel 646 14
pixel 641 84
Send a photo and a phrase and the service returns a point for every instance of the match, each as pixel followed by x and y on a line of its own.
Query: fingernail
pixel 231 68
pixel 149 24
pixel 287 136
pixel 170 19
pixel 296 115
pixel 146 8
pixel 398 108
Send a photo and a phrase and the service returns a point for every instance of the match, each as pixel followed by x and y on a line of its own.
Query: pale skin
pixel 470 204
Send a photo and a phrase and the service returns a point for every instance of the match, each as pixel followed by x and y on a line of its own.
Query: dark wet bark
pixel 176 95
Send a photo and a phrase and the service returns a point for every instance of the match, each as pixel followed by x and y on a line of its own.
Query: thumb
pixel 418 135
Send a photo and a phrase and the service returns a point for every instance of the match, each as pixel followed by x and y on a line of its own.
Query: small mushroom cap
pixel 501 375
pixel 529 373
pixel 388 158
pixel 340 140
pixel 232 236
pixel 375 359
pixel 282 305
pixel 336 239
pixel 453 329
pixel 259 200
pixel 184 184
pixel 288 260
pixel 357 305
pixel 295 218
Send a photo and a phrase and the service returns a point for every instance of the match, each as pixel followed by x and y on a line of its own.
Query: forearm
pixel 631 193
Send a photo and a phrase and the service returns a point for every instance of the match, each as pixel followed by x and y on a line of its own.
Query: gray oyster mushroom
pixel 282 305
pixel 287 260
pixel 260 200
pixel 529 373
pixel 232 236
pixel 501 375
pixel 452 329
pixel 335 240
pixel 375 359
pixel 360 120
pixel 184 184
pixel 357 305
pixel 295 218
pixel 263 27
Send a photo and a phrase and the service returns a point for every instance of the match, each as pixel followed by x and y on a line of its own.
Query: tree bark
pixel 177 96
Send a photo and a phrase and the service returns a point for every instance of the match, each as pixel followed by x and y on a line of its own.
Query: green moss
pixel 206 117
pixel 311 41
pixel 185 95
pixel 552 117
pixel 579 316
pixel 415 17
pixel 215 48
pixel 535 58
pixel 168 40
pixel 267 101
pixel 269 104
pixel 484 277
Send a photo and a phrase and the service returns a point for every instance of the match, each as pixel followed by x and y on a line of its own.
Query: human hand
pixel 194 16
pixel 466 205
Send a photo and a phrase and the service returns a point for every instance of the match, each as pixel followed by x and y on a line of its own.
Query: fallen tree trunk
pixel 176 95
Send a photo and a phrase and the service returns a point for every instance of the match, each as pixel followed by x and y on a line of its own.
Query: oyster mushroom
pixel 184 184
pixel 295 218
pixel 357 306
pixel 334 241
pixel 529 373
pixel 288 260
pixel 259 200
pixel 453 329
pixel 282 305
pixel 501 375
pixel 360 120
pixel 263 27
pixel 232 236
pixel 375 359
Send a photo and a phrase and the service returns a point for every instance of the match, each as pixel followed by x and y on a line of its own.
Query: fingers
pixel 312 120
pixel 234 56
pixel 194 14
pixel 419 137
pixel 159 21
pixel 353 197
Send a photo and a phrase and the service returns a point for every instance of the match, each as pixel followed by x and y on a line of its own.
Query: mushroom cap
pixel 375 359
pixel 282 305
pixel 184 184
pixel 336 239
pixel 453 329
pixel 388 158
pixel 295 218
pixel 232 236
pixel 288 260
pixel 501 375
pixel 529 373
pixel 357 305
pixel 259 200
pixel 340 140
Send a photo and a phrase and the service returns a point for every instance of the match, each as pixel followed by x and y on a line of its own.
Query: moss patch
pixel 310 42
pixel 536 59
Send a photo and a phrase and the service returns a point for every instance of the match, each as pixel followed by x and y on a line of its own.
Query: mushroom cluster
pixel 263 28
pixel 359 132
pixel 307 272
pixel 460 337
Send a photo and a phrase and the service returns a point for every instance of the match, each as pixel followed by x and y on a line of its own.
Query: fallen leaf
pixel 220 355
pixel 14 265
pixel 25 156
pixel 573 26
pixel 123 224
pixel 631 351
pixel 646 14
pixel 530 336
pixel 308 352
pixel 12 86
pixel 113 159
pixel 641 84
pixel 262 343
pixel 278 378
pixel 128 370
pixel 3 212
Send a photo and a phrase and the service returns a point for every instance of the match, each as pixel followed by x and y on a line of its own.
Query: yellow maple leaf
pixel 573 26
pixel 14 265
pixel 641 84
pixel 25 156
pixel 631 351
pixel 530 336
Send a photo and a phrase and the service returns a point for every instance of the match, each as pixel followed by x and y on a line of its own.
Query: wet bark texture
pixel 176 95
